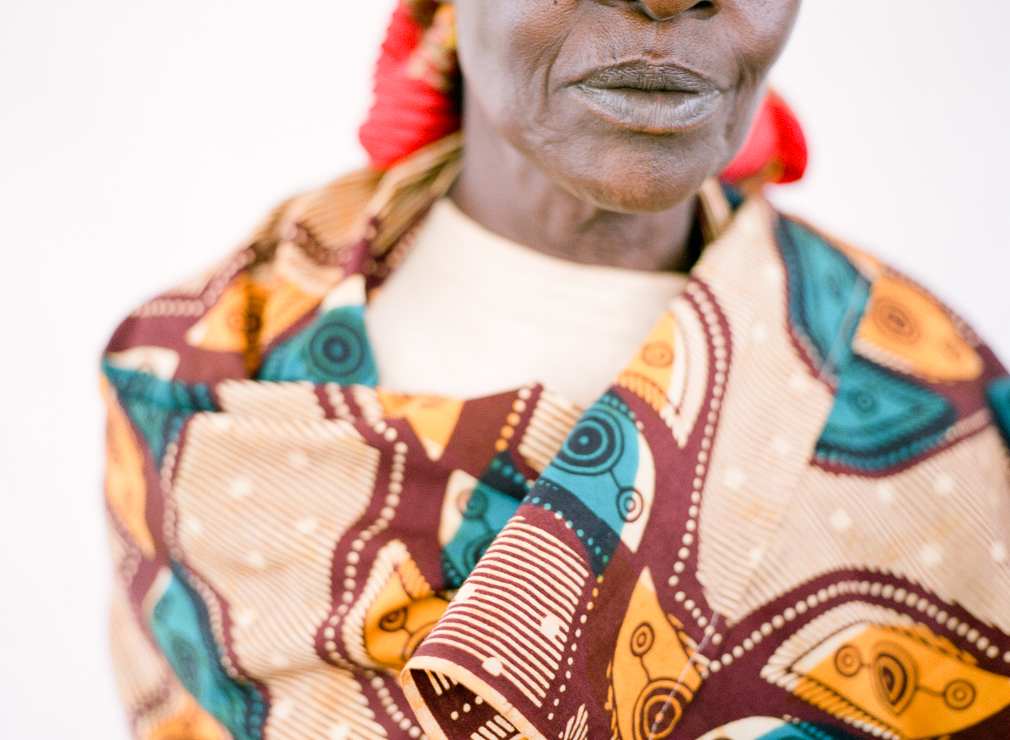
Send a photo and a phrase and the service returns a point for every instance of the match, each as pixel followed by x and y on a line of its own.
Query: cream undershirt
pixel 469 313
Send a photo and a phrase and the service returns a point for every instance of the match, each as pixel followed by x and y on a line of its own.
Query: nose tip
pixel 661 10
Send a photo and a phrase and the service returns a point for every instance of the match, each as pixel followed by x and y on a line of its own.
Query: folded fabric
pixel 788 518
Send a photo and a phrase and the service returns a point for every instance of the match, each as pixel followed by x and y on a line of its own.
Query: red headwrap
pixel 417 102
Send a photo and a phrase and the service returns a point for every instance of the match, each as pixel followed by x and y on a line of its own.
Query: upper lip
pixel 640 74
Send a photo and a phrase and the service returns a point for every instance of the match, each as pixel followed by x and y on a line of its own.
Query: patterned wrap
pixel 788 519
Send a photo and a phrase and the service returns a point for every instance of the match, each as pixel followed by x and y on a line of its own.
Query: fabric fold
pixel 795 494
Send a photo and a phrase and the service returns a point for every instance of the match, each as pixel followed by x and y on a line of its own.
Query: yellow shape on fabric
pixel 284 303
pixel 906 329
pixel 652 675
pixel 191 723
pixel 402 615
pixel 904 680
pixel 433 418
pixel 224 327
pixel 249 309
pixel 649 373
pixel 125 488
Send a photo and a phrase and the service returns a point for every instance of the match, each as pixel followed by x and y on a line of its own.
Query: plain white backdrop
pixel 139 142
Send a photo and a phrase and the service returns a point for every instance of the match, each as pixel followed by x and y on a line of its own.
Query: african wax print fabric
pixel 788 519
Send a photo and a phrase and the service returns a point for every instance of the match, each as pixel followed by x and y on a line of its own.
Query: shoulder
pixel 212 326
pixel 221 324
pixel 909 372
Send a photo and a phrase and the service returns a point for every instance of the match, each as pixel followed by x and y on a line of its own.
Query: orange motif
pixel 653 676
pixel 224 327
pixel 904 680
pixel 283 304
pixel 648 375
pixel 192 723
pixel 433 418
pixel 251 309
pixel 401 616
pixel 125 489
pixel 907 330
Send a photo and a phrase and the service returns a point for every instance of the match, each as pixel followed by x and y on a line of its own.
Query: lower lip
pixel 652 112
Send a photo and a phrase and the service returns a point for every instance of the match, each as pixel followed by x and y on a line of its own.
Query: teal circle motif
pixel 593 447
pixel 336 350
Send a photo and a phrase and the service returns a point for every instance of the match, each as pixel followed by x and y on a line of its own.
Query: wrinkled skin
pixel 548 166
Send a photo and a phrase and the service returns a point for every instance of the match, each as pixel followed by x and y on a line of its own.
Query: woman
pixel 784 517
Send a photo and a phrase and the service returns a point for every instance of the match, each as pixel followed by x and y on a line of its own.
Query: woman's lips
pixel 648 97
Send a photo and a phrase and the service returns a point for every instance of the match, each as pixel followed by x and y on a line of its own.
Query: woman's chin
pixel 638 192
pixel 633 174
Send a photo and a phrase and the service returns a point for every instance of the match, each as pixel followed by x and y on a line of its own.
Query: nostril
pixel 662 10
pixel 706 8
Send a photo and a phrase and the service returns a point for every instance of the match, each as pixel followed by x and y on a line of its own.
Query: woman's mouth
pixel 650 98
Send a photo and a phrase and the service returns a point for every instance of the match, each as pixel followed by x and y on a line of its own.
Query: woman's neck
pixel 506 193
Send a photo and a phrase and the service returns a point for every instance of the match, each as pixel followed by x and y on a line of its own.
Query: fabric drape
pixel 787 518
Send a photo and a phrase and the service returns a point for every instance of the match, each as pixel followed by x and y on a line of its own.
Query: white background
pixel 140 141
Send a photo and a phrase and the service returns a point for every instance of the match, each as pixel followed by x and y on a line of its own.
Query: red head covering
pixel 416 88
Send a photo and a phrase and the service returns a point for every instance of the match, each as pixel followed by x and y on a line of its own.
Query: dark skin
pixel 590 125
